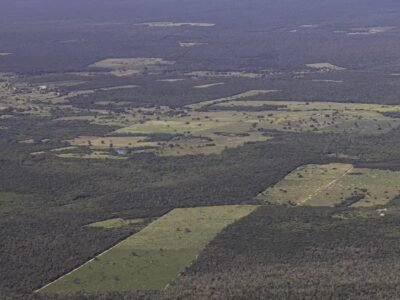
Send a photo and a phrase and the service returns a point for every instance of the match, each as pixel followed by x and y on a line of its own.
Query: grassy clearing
pixel 206 86
pixel 303 184
pixel 131 86
pixel 112 142
pixel 168 126
pixel 213 144
pixel 325 66
pixel 92 155
pixel 190 44
pixel 210 127
pixel 150 259
pixel 377 186
pixel 131 66
pixel 322 116
pixel 174 24
pixel 62 149
pixel 115 223
pixel 171 80
pixel 211 74
pixel 369 30
pixel 309 26
pixel 243 95
pixel 334 184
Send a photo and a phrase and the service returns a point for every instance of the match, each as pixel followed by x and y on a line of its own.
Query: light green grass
pixel 303 184
pixel 248 94
pixel 92 155
pixel 150 259
pixel 115 223
pixel 201 129
pixel 332 184
pixel 167 126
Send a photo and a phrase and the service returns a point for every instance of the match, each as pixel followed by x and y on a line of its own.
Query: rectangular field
pixel 335 184
pixel 150 259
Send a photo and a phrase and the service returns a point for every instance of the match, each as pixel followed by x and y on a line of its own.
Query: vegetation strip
pixel 150 259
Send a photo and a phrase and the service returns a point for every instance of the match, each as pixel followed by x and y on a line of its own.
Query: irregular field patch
pixel 112 142
pixel 150 259
pixel 92 155
pixel 325 66
pixel 335 184
pixel 299 116
pixel 174 24
pixel 369 30
pixel 211 74
pixel 211 126
pixel 132 66
pixel 205 86
pixel 116 223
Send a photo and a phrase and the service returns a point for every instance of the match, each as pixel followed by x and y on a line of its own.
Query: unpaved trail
pixel 325 187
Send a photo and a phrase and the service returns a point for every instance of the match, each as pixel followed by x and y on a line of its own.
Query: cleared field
pixel 92 155
pixel 150 259
pixel 171 80
pixel 309 26
pixel 243 95
pixel 131 86
pixel 325 66
pixel 353 118
pixel 210 127
pixel 211 74
pixel 168 126
pixel 369 30
pixel 132 66
pixel 112 142
pixel 335 184
pixel 213 144
pixel 174 24
pixel 115 223
pixel 189 44
pixel 205 86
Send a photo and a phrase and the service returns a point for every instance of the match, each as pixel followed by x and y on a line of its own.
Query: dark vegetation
pixel 69 194
pixel 298 253
pixel 292 253
pixel 277 252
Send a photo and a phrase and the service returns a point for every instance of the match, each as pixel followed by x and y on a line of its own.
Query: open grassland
pixel 335 184
pixel 206 86
pixel 369 30
pixel 296 116
pixel 208 127
pixel 132 66
pixel 211 126
pixel 112 142
pixel 190 44
pixel 243 95
pixel 175 24
pixel 129 86
pixel 92 155
pixel 215 74
pixel 116 223
pixel 150 259
pixel 325 66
